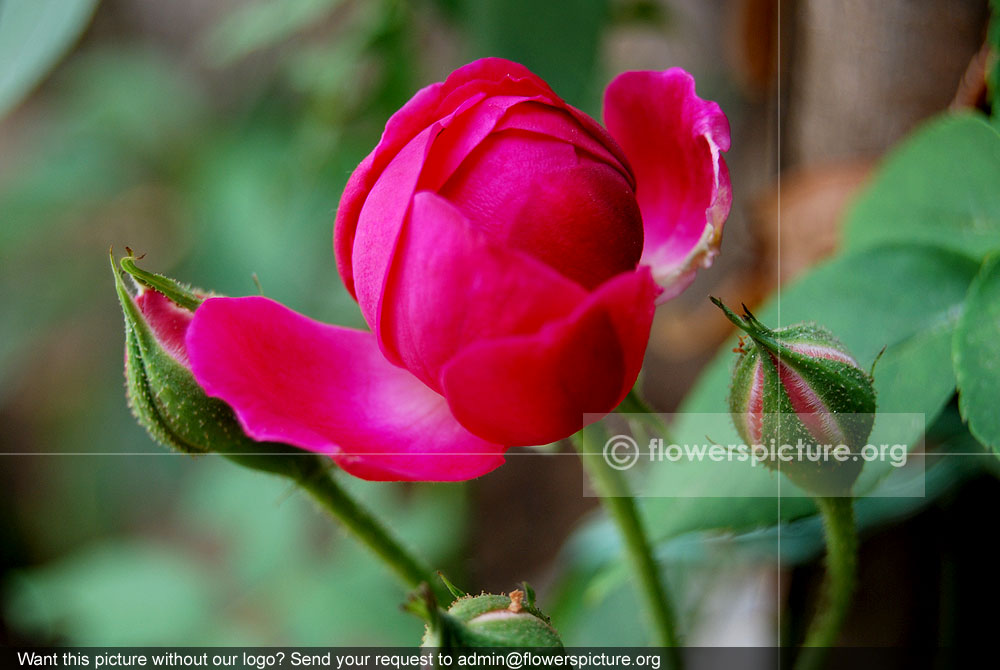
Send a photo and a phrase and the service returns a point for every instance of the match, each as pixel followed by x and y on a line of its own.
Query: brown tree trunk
pixel 867 71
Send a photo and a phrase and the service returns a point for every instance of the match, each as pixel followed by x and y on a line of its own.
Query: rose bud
pixel 163 394
pixel 486 620
pixel 507 253
pixel 799 384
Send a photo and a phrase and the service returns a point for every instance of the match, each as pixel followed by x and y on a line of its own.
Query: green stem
pixel 617 500
pixel 838 589
pixel 368 530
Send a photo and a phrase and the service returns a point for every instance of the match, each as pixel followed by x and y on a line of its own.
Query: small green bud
pixel 486 620
pixel 798 385
pixel 161 390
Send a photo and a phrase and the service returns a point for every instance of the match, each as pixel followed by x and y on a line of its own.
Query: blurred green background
pixel 215 137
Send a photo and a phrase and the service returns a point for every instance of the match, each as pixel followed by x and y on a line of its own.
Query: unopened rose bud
pixel 163 394
pixel 798 386
pixel 486 620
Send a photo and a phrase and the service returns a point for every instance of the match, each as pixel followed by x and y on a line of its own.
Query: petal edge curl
pixel 674 141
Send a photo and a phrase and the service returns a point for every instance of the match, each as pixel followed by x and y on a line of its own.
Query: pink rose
pixel 507 253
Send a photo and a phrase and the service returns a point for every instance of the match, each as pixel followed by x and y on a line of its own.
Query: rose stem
pixel 838 588
pixel 617 500
pixel 367 529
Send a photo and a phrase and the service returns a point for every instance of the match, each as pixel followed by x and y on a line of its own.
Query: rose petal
pixel 387 204
pixel 167 321
pixel 535 389
pixel 583 221
pixel 674 141
pixel 572 126
pixel 463 88
pixel 463 131
pixel 329 390
pixel 451 285
pixel 377 230
pixel 494 76
pixel 545 197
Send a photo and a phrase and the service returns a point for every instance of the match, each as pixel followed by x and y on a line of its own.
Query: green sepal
pixel 454 590
pixel 529 594
pixel 180 294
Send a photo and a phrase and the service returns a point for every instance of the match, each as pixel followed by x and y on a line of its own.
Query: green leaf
pixel 263 24
pixel 34 35
pixel 249 561
pixel 905 298
pixel 942 187
pixel 560 46
pixel 976 352
pixel 119 592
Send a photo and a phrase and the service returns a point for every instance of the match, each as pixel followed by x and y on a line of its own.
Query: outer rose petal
pixel 535 389
pixel 377 230
pixel 674 141
pixel 328 389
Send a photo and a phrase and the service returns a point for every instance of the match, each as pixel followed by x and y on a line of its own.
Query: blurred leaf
pixel 51 188
pixel 120 114
pixel 119 593
pixel 34 35
pixel 138 99
pixel 940 187
pixel 977 355
pixel 643 12
pixel 250 561
pixel 802 539
pixel 96 166
pixel 263 24
pixel 329 70
pixel 558 44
